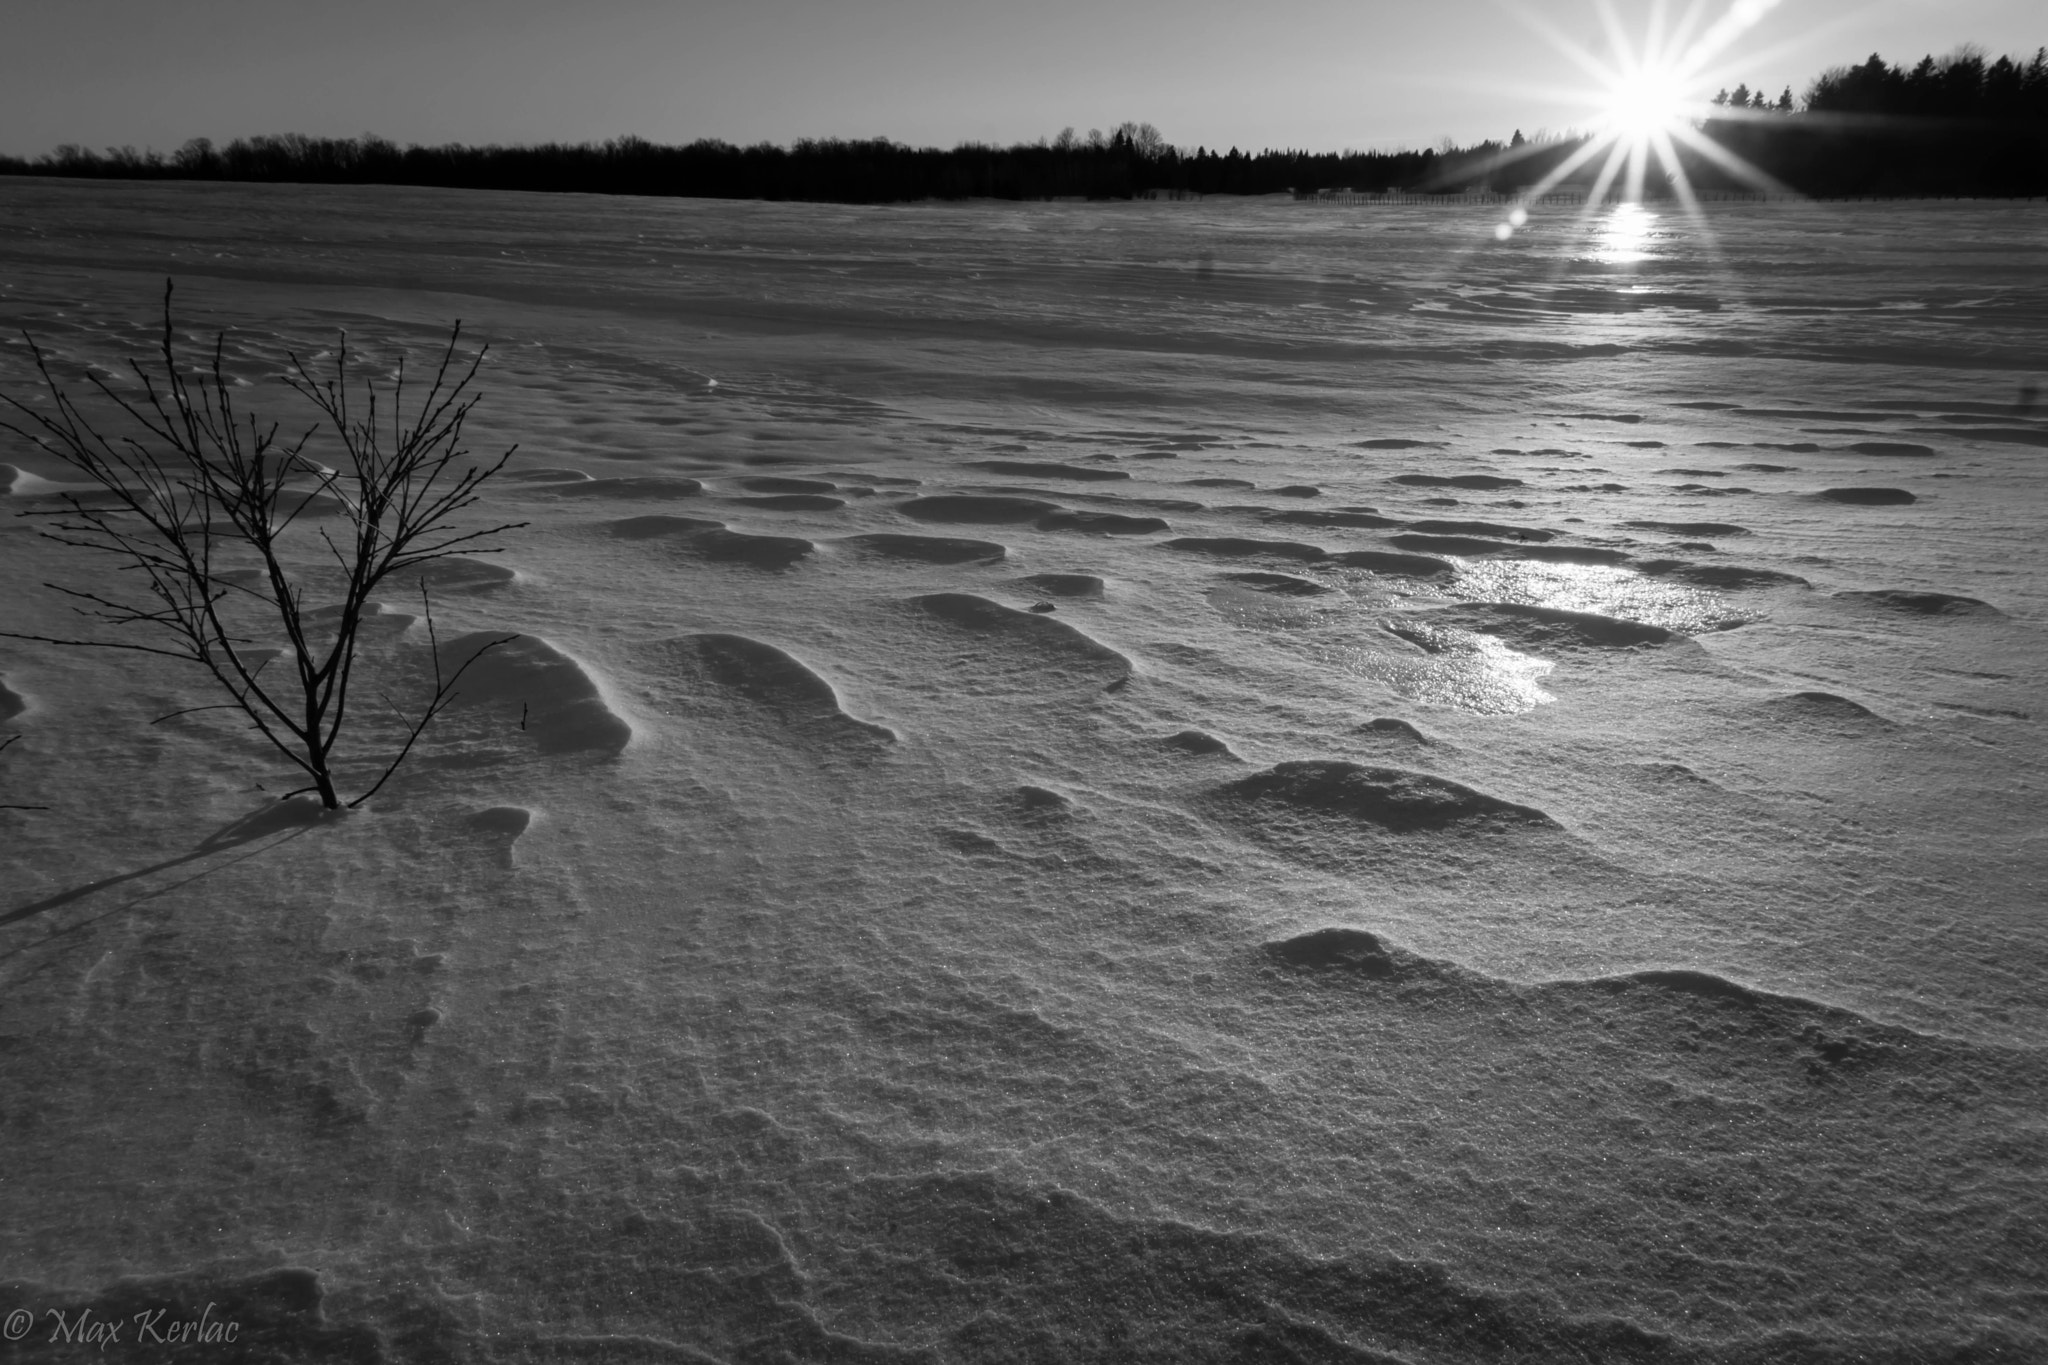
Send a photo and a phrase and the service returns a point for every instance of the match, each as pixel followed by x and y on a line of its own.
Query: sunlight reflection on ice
pixel 1606 589
pixel 1623 236
pixel 1469 671
pixel 1247 607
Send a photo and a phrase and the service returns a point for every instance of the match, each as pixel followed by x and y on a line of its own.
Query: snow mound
pixel 1922 603
pixel 459 573
pixel 1032 469
pixel 640 488
pixel 1241 547
pixel 726 671
pixel 793 502
pixel 1082 585
pixel 1540 628
pixel 548 695
pixel 991 640
pixel 1868 497
pixel 979 509
pixel 1200 743
pixel 926 549
pixel 1391 798
pixel 706 539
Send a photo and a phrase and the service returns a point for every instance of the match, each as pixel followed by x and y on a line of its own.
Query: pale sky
pixel 1320 74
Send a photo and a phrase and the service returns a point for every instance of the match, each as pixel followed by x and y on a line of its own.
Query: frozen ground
pixel 1491 855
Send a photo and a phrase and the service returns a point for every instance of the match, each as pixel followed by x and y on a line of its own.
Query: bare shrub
pixel 199 485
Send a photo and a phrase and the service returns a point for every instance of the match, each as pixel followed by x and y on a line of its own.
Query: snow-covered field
pixel 1170 782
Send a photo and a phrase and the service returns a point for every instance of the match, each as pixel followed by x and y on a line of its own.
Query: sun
pixel 1646 96
pixel 1642 103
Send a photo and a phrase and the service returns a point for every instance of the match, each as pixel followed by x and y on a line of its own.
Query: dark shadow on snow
pixel 290 818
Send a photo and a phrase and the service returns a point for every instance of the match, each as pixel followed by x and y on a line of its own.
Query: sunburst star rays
pixel 1647 99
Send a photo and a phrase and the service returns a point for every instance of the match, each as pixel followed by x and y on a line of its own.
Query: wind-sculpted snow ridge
pixel 1913 603
pixel 977 509
pixel 497 829
pixel 1520 534
pixel 1102 523
pixel 1478 481
pixel 1280 584
pixel 1391 798
pixel 717 672
pixel 1085 586
pixel 1074 1280
pixel 543 476
pixel 1031 1271
pixel 988 644
pixel 1816 414
pixel 1392 563
pixel 1307 516
pixel 899 481
pixel 791 502
pixel 1242 547
pixel 662 525
pixel 636 488
pixel 706 539
pixel 1531 627
pixel 1349 950
pixel 1867 497
pixel 1200 744
pixel 1717 529
pixel 459 573
pixel 1120 501
pixel 1001 510
pixel 1810 1040
pixel 1037 469
pixel 1394 732
pixel 1826 711
pixel 1718 575
pixel 1473 546
pixel 20 483
pixel 925 549
pixel 505 822
pixel 2023 436
pixel 526 691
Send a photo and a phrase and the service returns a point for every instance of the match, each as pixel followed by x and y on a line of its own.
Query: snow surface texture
pixel 1078 783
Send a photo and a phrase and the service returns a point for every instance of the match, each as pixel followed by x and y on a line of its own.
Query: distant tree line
pixel 1952 126
pixel 1959 126
pixel 1960 86
pixel 1132 160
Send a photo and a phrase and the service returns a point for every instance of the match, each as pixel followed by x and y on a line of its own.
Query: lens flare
pixel 1646 98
